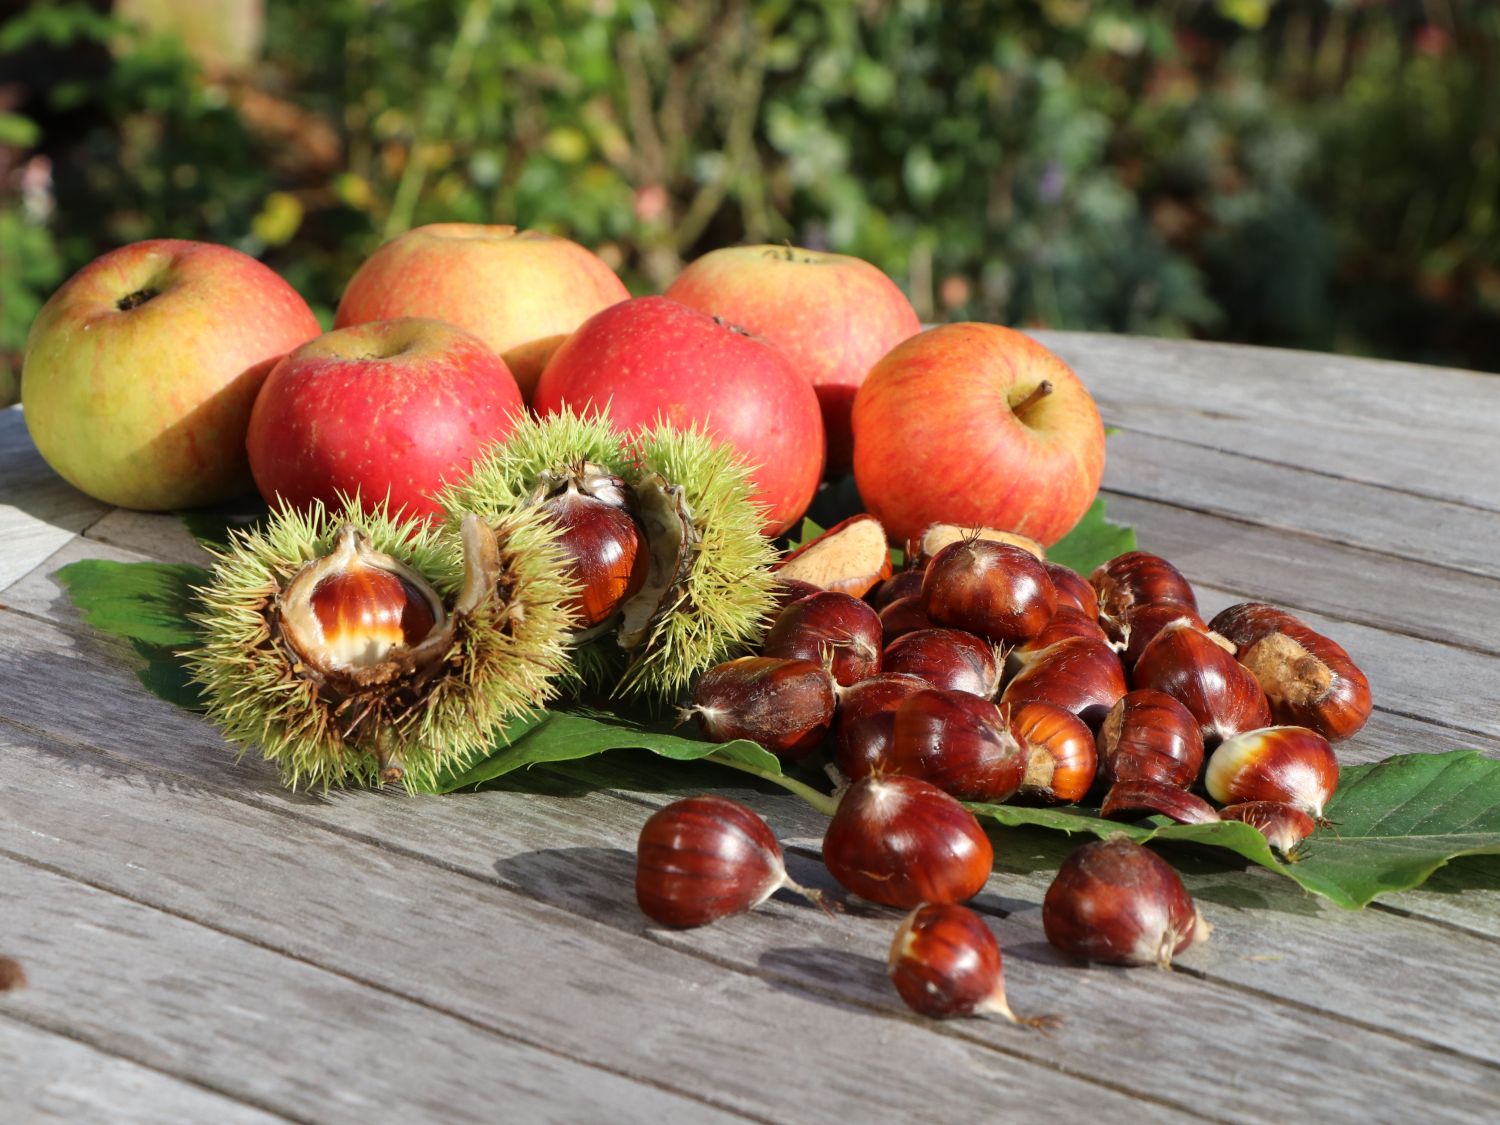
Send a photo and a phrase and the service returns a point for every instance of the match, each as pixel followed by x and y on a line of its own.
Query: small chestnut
pixel 902 616
pixel 945 658
pixel 1201 675
pixel 1060 755
pixel 604 545
pixel 1149 736
pixel 1130 800
pixel 958 742
pixel 902 841
pixel 829 626
pixel 705 858
pixel 995 590
pixel 1293 765
pixel 1078 674
pixel 1117 902
pixel 903 584
pixel 945 961
pixel 866 721
pixel 1283 826
pixel 785 705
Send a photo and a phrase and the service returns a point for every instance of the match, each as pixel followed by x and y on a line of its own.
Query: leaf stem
pixel 820 801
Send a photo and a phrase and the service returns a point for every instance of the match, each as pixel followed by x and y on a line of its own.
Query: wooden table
pixel 203 945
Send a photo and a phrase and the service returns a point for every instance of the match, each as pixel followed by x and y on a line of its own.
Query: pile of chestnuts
pixel 984 673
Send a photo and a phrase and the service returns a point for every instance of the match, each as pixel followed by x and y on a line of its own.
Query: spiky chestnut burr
pixel 709 590
pixel 353 646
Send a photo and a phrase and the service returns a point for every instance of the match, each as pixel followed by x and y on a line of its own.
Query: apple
pixel 140 371
pixel 977 425
pixel 651 359
pixel 833 315
pixel 520 291
pixel 391 409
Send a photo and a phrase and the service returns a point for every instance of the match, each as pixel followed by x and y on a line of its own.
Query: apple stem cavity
pixel 1041 391
pixel 136 299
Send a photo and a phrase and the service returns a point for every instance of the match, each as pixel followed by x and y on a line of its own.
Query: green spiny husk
pixel 502 661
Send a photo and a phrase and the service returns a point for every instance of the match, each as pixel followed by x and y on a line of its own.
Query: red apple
pixel 520 291
pixel 978 425
pixel 395 408
pixel 651 358
pixel 141 370
pixel 833 315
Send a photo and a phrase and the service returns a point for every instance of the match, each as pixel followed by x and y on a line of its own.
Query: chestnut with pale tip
pixel 902 841
pixel 994 590
pixel 705 858
pixel 1118 903
pixel 785 705
pixel 1138 626
pixel 1293 765
pixel 1078 674
pixel 944 962
pixel 1283 826
pixel 945 658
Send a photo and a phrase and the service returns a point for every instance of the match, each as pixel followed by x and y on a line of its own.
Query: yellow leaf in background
pixel 566 144
pixel 1251 14
pixel 279 218
pixel 353 190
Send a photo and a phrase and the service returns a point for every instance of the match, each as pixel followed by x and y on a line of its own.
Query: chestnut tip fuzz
pixel 944 961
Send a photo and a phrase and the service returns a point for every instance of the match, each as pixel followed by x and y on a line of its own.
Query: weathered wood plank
pixel 49 1077
pixel 1425 430
pixel 276 1032
pixel 364 926
pixel 39 511
pixel 569 979
pixel 1222 482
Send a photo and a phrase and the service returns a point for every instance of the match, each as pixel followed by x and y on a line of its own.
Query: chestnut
pixel 361 614
pixel 604 546
pixel 903 584
pixel 866 721
pixel 1059 749
pixel 1309 680
pixel 902 616
pixel 829 626
pixel 958 742
pixel 1293 765
pixel 1130 800
pixel 945 658
pixel 785 705
pixel 705 858
pixel 1117 902
pixel 1066 622
pixel 1283 826
pixel 944 961
pixel 1196 671
pixel 995 590
pixel 1073 590
pixel 1077 674
pixel 902 841
pixel 1137 627
pixel 1149 736
pixel 1136 578
pixel 789 590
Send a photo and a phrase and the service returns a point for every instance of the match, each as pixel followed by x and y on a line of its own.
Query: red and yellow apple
pixel 832 314
pixel 393 409
pixel 978 425
pixel 520 291
pixel 140 371
pixel 651 359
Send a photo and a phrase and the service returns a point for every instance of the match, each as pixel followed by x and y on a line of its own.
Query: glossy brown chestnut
pixel 1293 765
pixel 605 549
pixel 1149 736
pixel 850 557
pixel 903 616
pixel 365 613
pixel 789 590
pixel 901 841
pixel 945 658
pixel 1197 672
pixel 958 742
pixel 945 961
pixel 1077 674
pixel 1309 680
pixel 1136 578
pixel 1066 623
pixel 785 705
pixel 705 858
pixel 829 626
pixel 994 590
pixel 1116 902
pixel 1060 756
pixel 902 584
pixel 1283 826
pixel 866 721
pixel 1131 800
pixel 1073 590
pixel 1139 625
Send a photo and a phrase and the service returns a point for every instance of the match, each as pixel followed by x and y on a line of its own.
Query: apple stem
pixel 135 300
pixel 1042 390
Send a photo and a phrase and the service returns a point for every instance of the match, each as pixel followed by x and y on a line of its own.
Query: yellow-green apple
pixel 651 358
pixel 139 373
pixel 520 291
pixel 832 314
pixel 977 425
pixel 392 409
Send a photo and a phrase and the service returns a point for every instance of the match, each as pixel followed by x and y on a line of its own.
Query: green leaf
pixel 1391 825
pixel 1092 541
pixel 146 602
pixel 581 732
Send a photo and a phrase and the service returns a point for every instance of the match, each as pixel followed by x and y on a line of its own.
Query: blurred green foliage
pixel 1310 173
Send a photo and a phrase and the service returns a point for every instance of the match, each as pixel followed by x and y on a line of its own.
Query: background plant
pixel 1310 173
